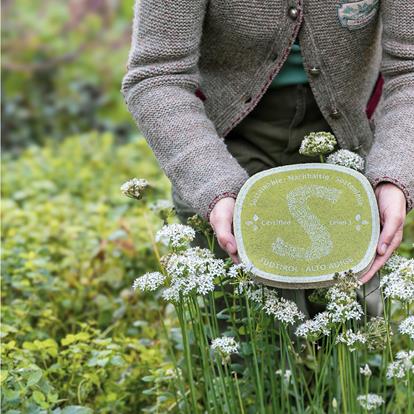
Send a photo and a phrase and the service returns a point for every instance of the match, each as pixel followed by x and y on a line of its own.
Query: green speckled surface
pixel 298 225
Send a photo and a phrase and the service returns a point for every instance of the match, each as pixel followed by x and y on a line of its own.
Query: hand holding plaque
pixel 297 225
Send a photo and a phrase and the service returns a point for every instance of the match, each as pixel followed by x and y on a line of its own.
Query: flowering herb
pixel 313 329
pixel 149 282
pixel 347 159
pixel 370 402
pixel 224 347
pixel 407 327
pixel 353 340
pixel 283 310
pixel 399 284
pixel 163 209
pixel 365 370
pixel 402 365
pixel 317 143
pixel 191 271
pixel 176 236
pixel 135 188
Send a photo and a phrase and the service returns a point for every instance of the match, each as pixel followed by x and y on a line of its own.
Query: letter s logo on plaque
pixel 297 225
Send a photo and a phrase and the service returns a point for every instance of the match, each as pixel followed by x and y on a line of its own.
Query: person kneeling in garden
pixel 223 90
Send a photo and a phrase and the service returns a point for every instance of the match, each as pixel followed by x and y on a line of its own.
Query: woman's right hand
pixel 221 219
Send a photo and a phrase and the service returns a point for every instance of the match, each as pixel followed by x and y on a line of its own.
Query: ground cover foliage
pixel 73 334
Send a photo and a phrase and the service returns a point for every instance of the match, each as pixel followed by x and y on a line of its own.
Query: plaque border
pixel 299 282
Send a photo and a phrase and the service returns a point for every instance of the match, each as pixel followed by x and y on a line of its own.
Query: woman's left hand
pixel 392 210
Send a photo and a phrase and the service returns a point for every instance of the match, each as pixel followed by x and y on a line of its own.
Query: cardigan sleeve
pixel 159 89
pixel 391 157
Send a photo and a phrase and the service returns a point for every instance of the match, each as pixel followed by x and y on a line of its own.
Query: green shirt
pixel 292 71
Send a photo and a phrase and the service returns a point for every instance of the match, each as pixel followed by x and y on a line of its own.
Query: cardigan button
pixel 335 114
pixel 314 71
pixel 293 13
pixel 248 100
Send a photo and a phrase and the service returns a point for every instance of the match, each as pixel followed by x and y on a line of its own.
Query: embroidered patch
pixel 357 14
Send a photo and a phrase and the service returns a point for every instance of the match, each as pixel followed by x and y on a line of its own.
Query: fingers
pixel 391 233
pixel 381 259
pixel 221 219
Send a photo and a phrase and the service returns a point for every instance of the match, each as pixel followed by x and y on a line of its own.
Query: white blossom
pixel 192 270
pixel 160 205
pixel 253 291
pixel 365 370
pixel 399 284
pixel 225 345
pixel 171 294
pixel 313 329
pixel 342 306
pixel 317 143
pixel 287 375
pixel 370 401
pixel 394 262
pixel 175 235
pixel 351 339
pixel 403 363
pixel 281 309
pixel 149 281
pixel 134 188
pixel 407 327
pixel 237 270
pixel 346 159
pixel 162 208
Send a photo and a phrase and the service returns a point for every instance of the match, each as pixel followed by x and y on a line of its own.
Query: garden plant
pixel 258 353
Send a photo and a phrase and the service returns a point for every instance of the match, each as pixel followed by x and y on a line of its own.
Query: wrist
pixel 217 199
pixel 390 184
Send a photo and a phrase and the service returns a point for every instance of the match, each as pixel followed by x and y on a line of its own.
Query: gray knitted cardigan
pixel 197 67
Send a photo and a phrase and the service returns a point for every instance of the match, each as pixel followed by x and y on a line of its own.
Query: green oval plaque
pixel 297 225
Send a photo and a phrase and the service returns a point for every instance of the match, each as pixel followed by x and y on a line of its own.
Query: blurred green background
pixel 62 66
pixel 75 338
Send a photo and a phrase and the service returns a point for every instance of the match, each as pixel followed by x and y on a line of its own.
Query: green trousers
pixel 270 136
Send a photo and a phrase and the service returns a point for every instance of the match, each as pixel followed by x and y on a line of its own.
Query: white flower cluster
pixel 134 188
pixel 282 309
pixel 370 402
pixel 394 262
pixel 314 328
pixel 163 208
pixel 365 370
pixel 317 143
pixel 407 327
pixel 404 362
pixel 347 159
pixel 342 306
pixel 287 375
pixel 193 270
pixel 225 345
pixel 149 282
pixel 399 284
pixel 160 205
pixel 175 235
pixel 237 270
pixel 351 339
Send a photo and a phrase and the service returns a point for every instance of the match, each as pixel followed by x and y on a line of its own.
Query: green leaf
pixel 38 397
pixel 34 378
pixel 10 395
pixel 76 409
pixel 3 375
